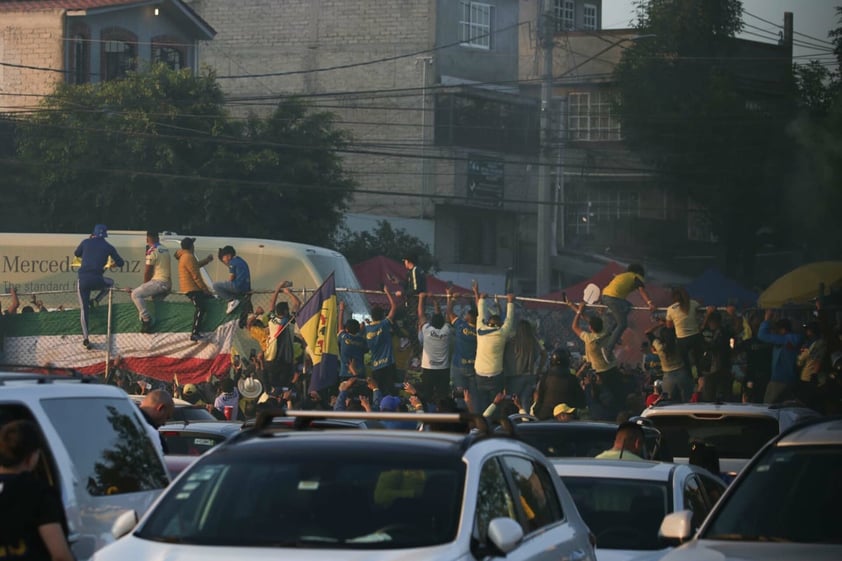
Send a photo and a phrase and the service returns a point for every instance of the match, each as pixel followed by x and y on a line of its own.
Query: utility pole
pixel 425 62
pixel 545 38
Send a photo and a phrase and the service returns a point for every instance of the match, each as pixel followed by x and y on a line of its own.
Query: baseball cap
pixel 100 231
pixel 187 243
pixel 189 389
pixel 390 403
pixel 563 408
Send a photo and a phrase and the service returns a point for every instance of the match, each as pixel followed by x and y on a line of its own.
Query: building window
pixel 591 116
pixel 589 17
pixel 588 207
pixel 170 52
pixel 119 54
pixel 565 15
pixel 474 121
pixel 475 25
pixel 81 62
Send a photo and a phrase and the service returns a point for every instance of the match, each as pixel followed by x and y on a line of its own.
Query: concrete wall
pixel 298 37
pixel 33 39
pixel 496 64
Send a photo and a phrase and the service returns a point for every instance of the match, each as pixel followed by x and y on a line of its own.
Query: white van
pixel 97 454
pixel 42 264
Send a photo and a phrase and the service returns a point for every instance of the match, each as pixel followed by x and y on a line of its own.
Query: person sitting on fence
pixel 238 285
pixel 157 280
pixel 192 284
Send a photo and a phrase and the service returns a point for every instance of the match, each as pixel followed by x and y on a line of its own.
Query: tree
pixel 394 243
pixel 687 110
pixel 815 194
pixel 158 150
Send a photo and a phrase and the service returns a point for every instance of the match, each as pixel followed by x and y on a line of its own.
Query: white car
pixel 624 502
pixel 305 494
pixel 736 430
pixel 97 453
pixel 783 506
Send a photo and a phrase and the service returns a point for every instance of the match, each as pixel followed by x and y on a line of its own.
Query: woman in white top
pixel 682 317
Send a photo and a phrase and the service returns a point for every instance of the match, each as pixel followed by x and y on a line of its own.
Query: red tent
pixel 375 272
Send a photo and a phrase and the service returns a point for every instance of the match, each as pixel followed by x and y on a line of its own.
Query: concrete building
pixel 428 90
pixel 610 203
pixel 80 41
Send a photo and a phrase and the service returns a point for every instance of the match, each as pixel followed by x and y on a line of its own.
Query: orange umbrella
pixel 801 285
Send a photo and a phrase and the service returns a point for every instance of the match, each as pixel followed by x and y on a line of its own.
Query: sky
pixel 813 18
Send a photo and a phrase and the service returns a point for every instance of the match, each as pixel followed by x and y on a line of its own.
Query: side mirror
pixel 505 534
pixel 677 526
pixel 124 524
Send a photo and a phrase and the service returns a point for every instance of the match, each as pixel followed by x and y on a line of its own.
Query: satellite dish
pixel 591 294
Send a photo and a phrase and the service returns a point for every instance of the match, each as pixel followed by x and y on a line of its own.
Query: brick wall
pixel 271 36
pixel 32 39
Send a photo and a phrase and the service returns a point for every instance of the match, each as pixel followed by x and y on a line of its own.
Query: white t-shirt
pixel 686 324
pixel 436 346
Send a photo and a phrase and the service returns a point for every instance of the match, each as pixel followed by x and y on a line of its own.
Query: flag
pixel 317 322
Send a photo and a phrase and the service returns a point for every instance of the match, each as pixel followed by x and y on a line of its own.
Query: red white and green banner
pixel 54 339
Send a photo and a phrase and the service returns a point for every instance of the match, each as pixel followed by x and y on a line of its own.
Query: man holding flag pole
pixel 317 324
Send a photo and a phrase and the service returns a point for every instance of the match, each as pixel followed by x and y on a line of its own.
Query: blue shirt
pixel 242 276
pixel 784 353
pixel 465 343
pixel 378 336
pixel 95 253
pixel 351 347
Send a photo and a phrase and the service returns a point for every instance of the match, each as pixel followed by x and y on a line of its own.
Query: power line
pixel 777 25
pixel 374 61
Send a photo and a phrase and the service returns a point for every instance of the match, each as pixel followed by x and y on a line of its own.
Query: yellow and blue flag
pixel 317 323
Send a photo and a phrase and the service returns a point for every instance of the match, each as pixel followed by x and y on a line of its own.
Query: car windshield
pixel 733 436
pixel 301 499
pixel 792 495
pixel 557 440
pixel 191 414
pixel 567 443
pixel 622 513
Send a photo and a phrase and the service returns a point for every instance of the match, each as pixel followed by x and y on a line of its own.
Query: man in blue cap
pixel 94 252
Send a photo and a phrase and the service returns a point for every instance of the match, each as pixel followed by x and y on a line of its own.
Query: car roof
pixel 569 425
pixel 371 443
pixel 704 409
pixel 19 386
pixel 825 432
pixel 613 469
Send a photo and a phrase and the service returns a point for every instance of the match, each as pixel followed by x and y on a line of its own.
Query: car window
pixel 494 499
pixel 110 449
pixel 732 436
pixel 694 500
pixel 191 414
pixel 323 498
pixel 792 494
pixel 713 487
pixel 622 513
pixel 534 493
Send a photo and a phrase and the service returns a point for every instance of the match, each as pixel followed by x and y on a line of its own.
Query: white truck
pixel 42 265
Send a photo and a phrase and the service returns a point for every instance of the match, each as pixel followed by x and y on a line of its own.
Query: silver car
pixel 98 453
pixel 736 430
pixel 624 502
pixel 275 493
pixel 783 506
